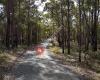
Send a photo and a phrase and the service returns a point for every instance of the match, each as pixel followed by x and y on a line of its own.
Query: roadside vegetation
pixel 74 26
pixel 89 67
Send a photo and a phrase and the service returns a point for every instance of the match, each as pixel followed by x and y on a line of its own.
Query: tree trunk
pixel 10 23
pixel 68 40
pixel 62 31
pixel 80 31
pixel 29 27
pixel 94 28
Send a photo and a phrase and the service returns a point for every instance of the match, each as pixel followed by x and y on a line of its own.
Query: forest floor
pixel 9 57
pixel 30 67
pixel 71 62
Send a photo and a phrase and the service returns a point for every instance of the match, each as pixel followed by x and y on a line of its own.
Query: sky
pixel 41 5
pixel 37 2
pixel 1 6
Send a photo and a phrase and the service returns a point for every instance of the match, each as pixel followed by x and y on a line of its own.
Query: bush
pixel 3 59
pixel 56 50
pixel 97 55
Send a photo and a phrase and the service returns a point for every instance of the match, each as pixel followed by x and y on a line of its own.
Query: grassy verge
pixel 89 68
pixel 7 57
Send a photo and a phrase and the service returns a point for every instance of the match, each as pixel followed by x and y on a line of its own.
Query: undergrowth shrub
pixel 56 50
pixel 3 59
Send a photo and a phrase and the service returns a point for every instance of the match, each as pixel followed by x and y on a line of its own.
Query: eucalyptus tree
pixel 80 31
pixel 22 18
pixel 68 32
pixel 62 15
pixel 56 14
pixel 90 13
pixel 10 23
pixel 95 24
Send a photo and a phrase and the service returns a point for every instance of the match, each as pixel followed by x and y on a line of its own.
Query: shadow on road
pixel 29 67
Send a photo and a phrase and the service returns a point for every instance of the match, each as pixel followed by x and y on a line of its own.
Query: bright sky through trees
pixel 1 6
pixel 41 5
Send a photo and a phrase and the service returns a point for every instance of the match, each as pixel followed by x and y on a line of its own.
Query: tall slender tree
pixel 68 22
pixel 10 23
pixel 80 31
pixel 94 27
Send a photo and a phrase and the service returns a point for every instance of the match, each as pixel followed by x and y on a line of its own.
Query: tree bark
pixel 68 40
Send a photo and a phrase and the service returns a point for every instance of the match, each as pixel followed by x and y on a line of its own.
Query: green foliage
pixel 56 50
pixel 3 2
pixel 94 55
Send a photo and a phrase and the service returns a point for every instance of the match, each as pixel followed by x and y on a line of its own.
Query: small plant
pixel 56 50
pixel 3 59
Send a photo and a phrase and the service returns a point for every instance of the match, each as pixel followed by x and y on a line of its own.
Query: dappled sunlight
pixel 71 60
pixel 30 67
pixel 49 40
pixel 29 52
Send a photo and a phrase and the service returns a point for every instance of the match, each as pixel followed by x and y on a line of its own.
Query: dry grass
pixel 80 68
pixel 71 62
pixel 6 59
pixel 56 50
